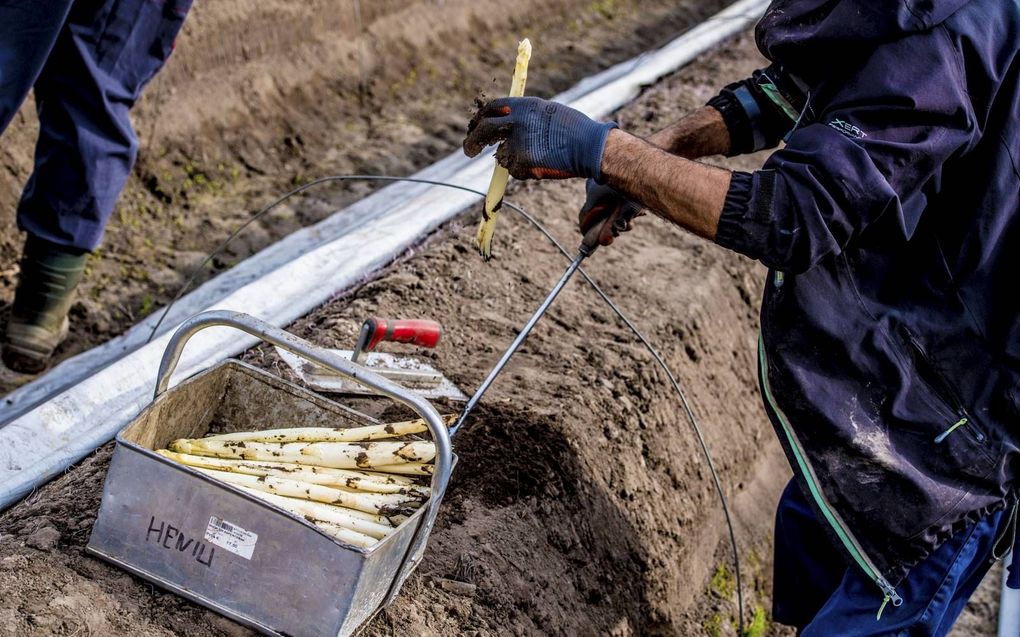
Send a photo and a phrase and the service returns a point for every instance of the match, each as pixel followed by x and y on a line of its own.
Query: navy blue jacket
pixel 890 338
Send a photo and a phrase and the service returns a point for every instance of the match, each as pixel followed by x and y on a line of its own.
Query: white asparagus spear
pixel 378 503
pixel 323 513
pixel 327 434
pixel 318 511
pixel 337 478
pixel 329 512
pixel 500 176
pixel 345 535
pixel 373 476
pixel 334 520
pixel 407 468
pixel 339 455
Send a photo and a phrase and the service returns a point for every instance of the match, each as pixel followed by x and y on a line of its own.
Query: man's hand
pixel 606 207
pixel 541 139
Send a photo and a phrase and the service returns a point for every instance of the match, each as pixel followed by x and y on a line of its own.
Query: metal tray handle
pixel 344 367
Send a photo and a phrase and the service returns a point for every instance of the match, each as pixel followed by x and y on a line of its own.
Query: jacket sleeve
pixel 875 146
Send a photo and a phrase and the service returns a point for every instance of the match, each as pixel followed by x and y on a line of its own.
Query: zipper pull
pixel 945 434
pixel 778 279
pixel 885 600
pixel 890 596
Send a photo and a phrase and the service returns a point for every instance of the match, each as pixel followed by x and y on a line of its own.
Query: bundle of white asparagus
pixel 342 480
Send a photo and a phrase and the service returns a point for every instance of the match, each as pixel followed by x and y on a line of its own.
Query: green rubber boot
pixel 38 323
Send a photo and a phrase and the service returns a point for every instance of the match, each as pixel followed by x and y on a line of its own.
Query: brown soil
pixel 262 96
pixel 581 504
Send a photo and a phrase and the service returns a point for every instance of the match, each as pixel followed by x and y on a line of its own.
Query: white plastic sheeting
pixel 83 402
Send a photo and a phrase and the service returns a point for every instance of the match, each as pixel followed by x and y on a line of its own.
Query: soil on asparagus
pixel 581 504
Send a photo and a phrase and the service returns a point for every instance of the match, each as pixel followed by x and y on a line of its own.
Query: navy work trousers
pixel 815 590
pixel 88 61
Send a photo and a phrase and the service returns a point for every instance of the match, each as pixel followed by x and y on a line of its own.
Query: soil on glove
pixel 582 504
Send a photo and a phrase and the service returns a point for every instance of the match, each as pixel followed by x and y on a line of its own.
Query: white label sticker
pixel 231 537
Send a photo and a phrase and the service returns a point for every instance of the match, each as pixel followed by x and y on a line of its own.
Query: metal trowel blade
pixel 409 372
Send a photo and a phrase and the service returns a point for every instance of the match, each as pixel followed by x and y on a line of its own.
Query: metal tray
pixel 227 550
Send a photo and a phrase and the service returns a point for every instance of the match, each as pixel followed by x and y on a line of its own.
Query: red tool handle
pixel 420 332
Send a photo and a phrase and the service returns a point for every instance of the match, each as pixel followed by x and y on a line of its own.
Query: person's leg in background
pixel 28 30
pixel 106 53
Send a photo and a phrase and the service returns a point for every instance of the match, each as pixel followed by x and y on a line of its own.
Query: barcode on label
pixel 231 537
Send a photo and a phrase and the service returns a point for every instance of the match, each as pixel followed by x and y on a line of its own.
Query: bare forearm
pixel 687 193
pixel 701 133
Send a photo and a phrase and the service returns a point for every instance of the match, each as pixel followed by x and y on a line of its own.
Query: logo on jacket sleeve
pixel 847 128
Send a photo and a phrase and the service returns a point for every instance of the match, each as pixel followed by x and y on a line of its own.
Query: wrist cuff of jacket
pixel 756 118
pixel 596 150
pixel 750 122
pixel 732 232
pixel 747 220
pixel 736 119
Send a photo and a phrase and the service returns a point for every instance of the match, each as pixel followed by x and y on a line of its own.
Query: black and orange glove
pixel 605 206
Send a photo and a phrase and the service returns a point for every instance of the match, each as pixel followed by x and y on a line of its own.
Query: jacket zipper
pixel 835 521
pixel 944 392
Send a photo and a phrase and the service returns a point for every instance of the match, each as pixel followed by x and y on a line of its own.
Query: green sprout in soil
pixel 722 583
pixel 147 304
pixel 713 626
pixel 758 625
pixel 605 8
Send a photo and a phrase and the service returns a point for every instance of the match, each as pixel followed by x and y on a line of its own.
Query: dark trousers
pixel 88 61
pixel 815 590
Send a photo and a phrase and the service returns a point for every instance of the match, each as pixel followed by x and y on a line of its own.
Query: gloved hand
pixel 541 139
pixel 606 207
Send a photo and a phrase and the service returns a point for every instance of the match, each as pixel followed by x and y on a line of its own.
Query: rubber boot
pixel 49 275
